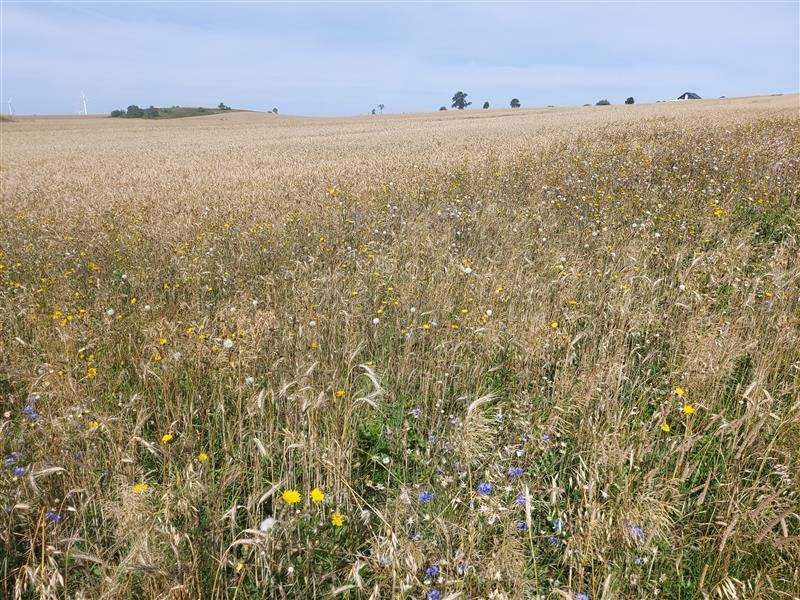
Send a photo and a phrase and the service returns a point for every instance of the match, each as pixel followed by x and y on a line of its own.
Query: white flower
pixel 489 312
pixel 312 323
pixel 375 321
pixel 176 356
pixel 249 380
pixel 146 307
pixel 110 312
pixel 468 270
pixel 267 524
pixel 227 344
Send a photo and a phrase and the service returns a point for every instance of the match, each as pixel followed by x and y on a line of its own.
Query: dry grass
pixel 404 312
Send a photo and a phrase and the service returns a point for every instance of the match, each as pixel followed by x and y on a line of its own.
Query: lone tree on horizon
pixel 460 100
pixel 486 104
pixel 515 103
pixel 629 100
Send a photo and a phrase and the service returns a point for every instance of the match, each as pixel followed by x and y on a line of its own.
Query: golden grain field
pixel 500 354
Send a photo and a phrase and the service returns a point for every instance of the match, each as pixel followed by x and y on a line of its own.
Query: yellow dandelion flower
pixel 337 519
pixel 680 391
pixel 163 342
pixel 239 566
pixel 426 325
pixel 666 428
pixel 554 325
pixel 688 409
pixel 167 438
pixel 291 496
pixel 140 488
pixel 340 393
pixel 91 372
pixel 202 457
pixel 93 424
pixel 133 300
pixel 317 495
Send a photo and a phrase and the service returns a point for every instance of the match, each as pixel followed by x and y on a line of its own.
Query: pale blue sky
pixel 345 58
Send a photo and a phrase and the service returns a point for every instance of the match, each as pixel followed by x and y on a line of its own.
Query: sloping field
pixel 546 353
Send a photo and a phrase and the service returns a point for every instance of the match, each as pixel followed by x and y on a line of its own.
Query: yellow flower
pixel 666 428
pixel 426 325
pixel 317 495
pixel 239 566
pixel 291 496
pixel 687 409
pixel 166 438
pixel 93 424
pixel 163 341
pixel 337 519
pixel 202 457
pixel 340 393
pixel 91 372
pixel 680 391
pixel 140 488
pixel 554 325
pixel 133 300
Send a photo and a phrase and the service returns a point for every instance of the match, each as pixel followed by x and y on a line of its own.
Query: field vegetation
pixel 471 354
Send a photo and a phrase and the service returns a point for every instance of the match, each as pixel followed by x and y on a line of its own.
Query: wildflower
pixel 340 393
pixel 140 488
pixel 91 372
pixel 559 525
pixel 110 312
pixel 426 325
pixel 12 459
pixel 93 424
pixel 425 496
pixel 163 342
pixel 416 413
pixel 249 380
pixel 167 438
pixel 317 495
pixel 267 524
pixel 291 496
pixel 553 541
pixel 515 472
pixel 133 300
pixel 239 565
pixel 680 391
pixel 202 457
pixel 432 571
pixel 582 596
pixel 554 325
pixel 485 488
pixel 688 409
pixel 520 500
pixel 522 526
pixel 375 321
pixel 52 516
pixel 434 595
pixel 666 428
pixel 337 519
pixel 19 471
pixel 30 412
pixel 227 344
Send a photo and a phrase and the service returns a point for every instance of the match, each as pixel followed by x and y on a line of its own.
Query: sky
pixel 331 59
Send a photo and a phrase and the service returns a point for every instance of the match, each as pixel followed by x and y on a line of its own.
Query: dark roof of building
pixel 689 96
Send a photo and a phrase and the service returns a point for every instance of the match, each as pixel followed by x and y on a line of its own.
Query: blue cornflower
pixel 515 472
pixel 416 413
pixel 636 531
pixel 520 500
pixel 12 459
pixel 546 438
pixel 30 412
pixel 79 456
pixel 582 596
pixel 33 398
pixel 432 571
pixel 522 526
pixel 485 488
pixel 19 471
pixel 425 496
pixel 432 438
pixel 434 595
pixel 52 516
pixel 559 525
pixel 553 541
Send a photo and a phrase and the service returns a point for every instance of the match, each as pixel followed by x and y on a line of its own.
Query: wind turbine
pixel 10 108
pixel 83 96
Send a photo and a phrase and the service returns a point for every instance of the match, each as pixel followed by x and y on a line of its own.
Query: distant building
pixel 689 96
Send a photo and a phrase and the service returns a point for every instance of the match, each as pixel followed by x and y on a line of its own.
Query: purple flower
pixel 12 459
pixel 559 525
pixel 553 541
pixel 546 438
pixel 636 531
pixel 79 456
pixel 30 412
pixel 515 472
pixel 522 526
pixel 425 496
pixel 19 471
pixel 416 413
pixel 461 569
pixel 432 571
pixel 432 438
pixel 582 596
pixel 434 595
pixel 52 516
pixel 520 500
pixel 485 488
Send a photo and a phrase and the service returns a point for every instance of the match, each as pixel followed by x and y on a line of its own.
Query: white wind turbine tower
pixel 83 96
pixel 10 108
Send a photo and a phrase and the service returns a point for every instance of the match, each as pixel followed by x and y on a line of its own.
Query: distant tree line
pixel 135 112
pixel 459 102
